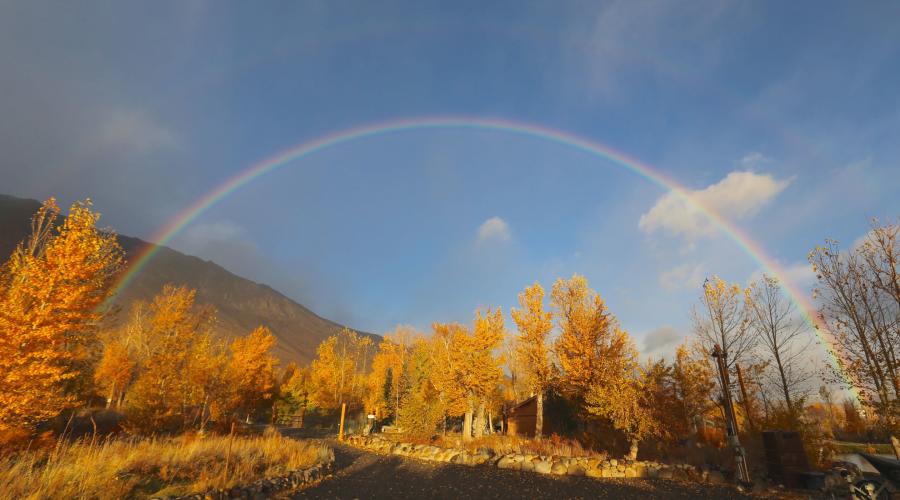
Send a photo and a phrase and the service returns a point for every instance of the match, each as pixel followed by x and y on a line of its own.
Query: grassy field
pixel 877 448
pixel 142 468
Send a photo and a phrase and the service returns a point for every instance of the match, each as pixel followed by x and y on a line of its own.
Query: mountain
pixel 241 304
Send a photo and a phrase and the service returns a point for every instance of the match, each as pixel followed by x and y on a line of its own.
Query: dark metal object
pixel 887 467
pixel 740 456
pixel 786 459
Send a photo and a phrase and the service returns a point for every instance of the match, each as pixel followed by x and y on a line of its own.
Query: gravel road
pixel 363 475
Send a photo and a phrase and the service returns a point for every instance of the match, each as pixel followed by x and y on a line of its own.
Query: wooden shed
pixel 522 418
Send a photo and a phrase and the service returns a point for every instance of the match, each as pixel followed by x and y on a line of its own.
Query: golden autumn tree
pixel 591 346
pixel 337 372
pixel 624 398
pixel 472 368
pixel 387 382
pixel 295 394
pixel 723 319
pixel 421 409
pixel 170 329
pixel 252 369
pixel 694 384
pixel 50 292
pixel 534 324
pixel 446 340
pixel 114 372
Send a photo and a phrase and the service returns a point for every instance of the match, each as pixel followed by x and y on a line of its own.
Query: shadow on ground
pixel 363 475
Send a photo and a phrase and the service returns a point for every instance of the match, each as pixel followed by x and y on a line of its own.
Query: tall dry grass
pixel 142 468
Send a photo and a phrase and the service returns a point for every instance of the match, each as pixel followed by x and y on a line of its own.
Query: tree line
pixel 164 368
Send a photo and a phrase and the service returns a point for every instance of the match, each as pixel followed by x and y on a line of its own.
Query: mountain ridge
pixel 241 304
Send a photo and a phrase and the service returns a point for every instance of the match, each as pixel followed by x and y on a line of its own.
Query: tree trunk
pixel 896 444
pixel 539 418
pixel 478 425
pixel 467 421
pixel 633 451
pixel 490 422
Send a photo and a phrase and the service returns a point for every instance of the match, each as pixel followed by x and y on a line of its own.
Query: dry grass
pixel 502 445
pixel 141 468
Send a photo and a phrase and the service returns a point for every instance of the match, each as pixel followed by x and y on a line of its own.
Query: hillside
pixel 242 304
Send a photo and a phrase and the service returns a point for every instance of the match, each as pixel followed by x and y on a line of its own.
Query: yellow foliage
pixel 252 368
pixel 50 293
pixel 114 372
pixel 591 347
pixel 534 324
pixel 337 372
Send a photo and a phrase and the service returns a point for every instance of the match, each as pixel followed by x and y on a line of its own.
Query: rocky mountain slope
pixel 241 304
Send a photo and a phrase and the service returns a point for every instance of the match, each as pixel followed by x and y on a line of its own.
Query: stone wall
pixel 577 466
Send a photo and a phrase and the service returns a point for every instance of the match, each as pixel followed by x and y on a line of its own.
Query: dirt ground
pixel 363 475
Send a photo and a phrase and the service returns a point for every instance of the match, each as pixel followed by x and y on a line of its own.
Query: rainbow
pixel 284 158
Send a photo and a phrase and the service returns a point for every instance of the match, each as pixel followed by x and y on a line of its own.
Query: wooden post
pixel 343 413
pixel 747 408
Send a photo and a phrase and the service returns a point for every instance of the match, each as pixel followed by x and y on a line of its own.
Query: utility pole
pixel 740 457
pixel 747 409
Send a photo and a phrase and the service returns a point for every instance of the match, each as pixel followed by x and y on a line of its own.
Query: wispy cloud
pixel 684 277
pixel 134 130
pixel 493 229
pixel 661 341
pixel 739 195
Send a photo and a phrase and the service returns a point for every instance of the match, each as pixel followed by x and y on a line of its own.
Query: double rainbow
pixel 284 158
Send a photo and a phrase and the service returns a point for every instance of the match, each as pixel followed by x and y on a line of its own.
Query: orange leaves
pixel 534 324
pixel 114 371
pixel 589 340
pixel 50 291
pixel 252 367
pixel 337 371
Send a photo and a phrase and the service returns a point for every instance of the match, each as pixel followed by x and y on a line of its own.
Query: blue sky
pixel 782 115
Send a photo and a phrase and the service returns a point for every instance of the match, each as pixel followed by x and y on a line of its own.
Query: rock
pixel 594 472
pixel 559 468
pixel 507 462
pixel 613 462
pixel 542 466
pixel 575 469
pixel 666 474
pixel 630 472
pixel 527 465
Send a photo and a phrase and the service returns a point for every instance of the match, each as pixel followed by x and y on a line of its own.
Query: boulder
pixel 594 472
pixel 559 468
pixel 576 469
pixel 542 466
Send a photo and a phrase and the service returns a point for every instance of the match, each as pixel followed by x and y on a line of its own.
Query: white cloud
pixel 661 341
pixel 738 195
pixel 684 277
pixel 752 160
pixel 134 130
pixel 495 229
pixel 611 41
